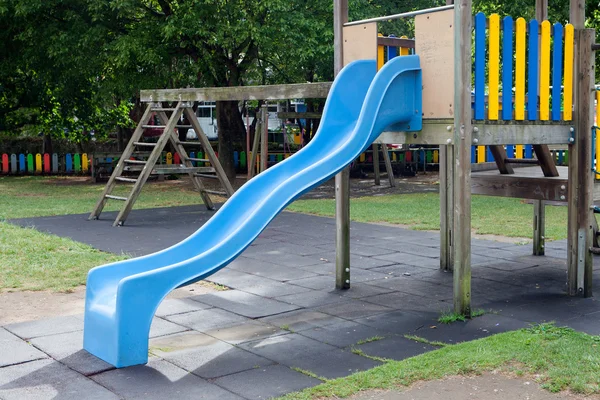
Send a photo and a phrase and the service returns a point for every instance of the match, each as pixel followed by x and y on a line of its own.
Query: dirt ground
pixel 28 306
pixel 488 386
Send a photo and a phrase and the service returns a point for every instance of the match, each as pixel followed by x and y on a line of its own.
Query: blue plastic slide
pixel 122 297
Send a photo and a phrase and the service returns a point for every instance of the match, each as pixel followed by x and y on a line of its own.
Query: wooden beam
pixel 462 157
pixel 539 226
pixel 342 179
pixel 264 142
pixel 264 92
pixel 545 159
pixel 299 115
pixel 376 171
pixel 522 187
pixel 388 165
pixel 255 143
pixel 396 42
pixel 501 159
pixel 579 231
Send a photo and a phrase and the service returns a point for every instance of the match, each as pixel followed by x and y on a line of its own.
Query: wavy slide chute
pixel 122 297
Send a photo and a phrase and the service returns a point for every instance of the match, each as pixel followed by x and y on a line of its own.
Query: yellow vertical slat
pixel 436 156
pixel 84 162
pixel 568 79
pixel 480 154
pixel 169 158
pixel 404 51
pixel 380 55
pixel 494 66
pixel 520 47
pixel 597 133
pixel 545 72
pixel 519 151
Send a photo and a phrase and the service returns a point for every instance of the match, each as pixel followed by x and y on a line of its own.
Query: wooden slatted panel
pixel 85 163
pixel 568 79
pixel 380 55
pixel 520 46
pixel 507 68
pixel 480 66
pixel 47 166
pixel 38 163
pixel 545 72
pixel 494 67
pixel 557 60
pixel 532 70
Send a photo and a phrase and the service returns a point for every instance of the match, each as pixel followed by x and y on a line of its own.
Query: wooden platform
pixel 525 183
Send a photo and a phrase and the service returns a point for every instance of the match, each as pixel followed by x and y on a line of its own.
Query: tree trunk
pixel 231 130
pixel 47 144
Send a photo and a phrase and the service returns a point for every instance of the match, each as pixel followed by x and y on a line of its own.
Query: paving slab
pixel 394 348
pixel 266 383
pixel 287 260
pixel 400 322
pixel 67 348
pixel 284 349
pixel 246 304
pixel 334 364
pixel 204 355
pixel 353 309
pixel 270 270
pixel 205 320
pixel 45 327
pixel 274 289
pixel 179 306
pixel 246 332
pixel 301 320
pixel 48 379
pixel 357 261
pixel 342 334
pixel 13 350
pixel 160 379
pixel 161 327
pixel 313 298
pixel 406 302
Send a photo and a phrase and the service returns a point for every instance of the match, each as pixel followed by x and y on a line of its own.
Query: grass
pixel 31 260
pixel 448 317
pixel 558 358
pixel 369 340
pixel 490 215
pixel 420 339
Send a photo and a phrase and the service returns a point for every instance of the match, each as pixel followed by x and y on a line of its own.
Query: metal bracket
pixel 571 135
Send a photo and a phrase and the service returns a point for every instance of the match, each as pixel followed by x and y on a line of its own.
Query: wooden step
pixel 198 159
pixel 206 176
pixel 163 109
pixel 184 126
pixel 110 196
pixel 521 161
pixel 153 126
pixel 135 162
pixel 218 193
pixel 198 143
pixel 147 144
pixel 123 179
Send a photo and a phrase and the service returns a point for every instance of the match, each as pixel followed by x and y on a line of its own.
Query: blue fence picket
pixel 68 163
pixel 480 22
pixel 557 58
pixel 507 67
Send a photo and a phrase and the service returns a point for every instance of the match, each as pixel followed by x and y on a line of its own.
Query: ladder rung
pixel 163 109
pixel 135 162
pixel 215 192
pixel 148 144
pixel 198 143
pixel 521 160
pixel 123 179
pixel 198 159
pixel 183 126
pixel 110 196
pixel 153 126
pixel 206 176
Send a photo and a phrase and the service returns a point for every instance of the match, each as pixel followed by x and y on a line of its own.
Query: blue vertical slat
pixel 560 157
pixel 391 51
pixel 557 58
pixel 489 157
pixel 479 66
pixel 22 165
pixel 236 159
pixel 507 67
pixel 528 151
pixel 69 162
pixel 533 84
pixel 510 151
pixel 473 154
pixel 193 155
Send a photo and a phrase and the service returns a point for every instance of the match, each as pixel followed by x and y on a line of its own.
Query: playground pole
pixel 461 246
pixel 342 179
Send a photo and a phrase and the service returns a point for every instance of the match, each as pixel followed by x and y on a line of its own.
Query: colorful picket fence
pixel 482 154
pixel 541 74
pixel 44 164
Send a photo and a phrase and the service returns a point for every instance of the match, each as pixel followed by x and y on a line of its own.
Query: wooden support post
pixel 539 225
pixel 376 164
pixel 446 163
pixel 255 143
pixel 462 157
pixel 499 154
pixel 388 165
pixel 581 179
pixel 342 179
pixel 264 145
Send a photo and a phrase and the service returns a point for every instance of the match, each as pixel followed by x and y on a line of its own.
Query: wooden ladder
pixel 148 166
